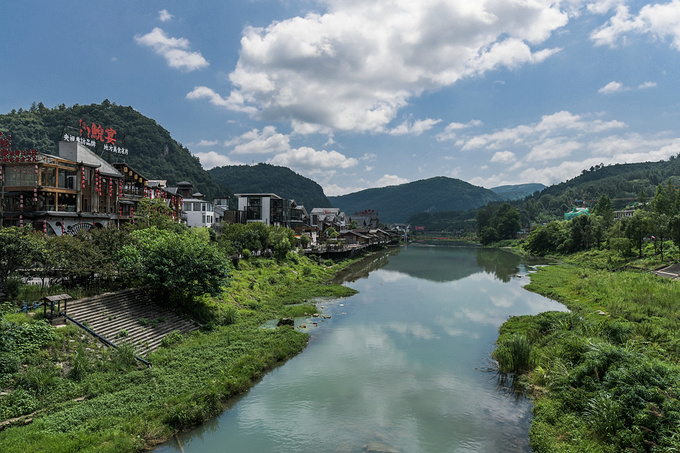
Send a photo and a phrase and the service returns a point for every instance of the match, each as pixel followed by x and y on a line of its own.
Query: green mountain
pixel 518 191
pixel 151 149
pixel 622 183
pixel 398 203
pixel 265 178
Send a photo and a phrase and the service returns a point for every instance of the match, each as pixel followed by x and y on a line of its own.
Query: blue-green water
pixel 403 366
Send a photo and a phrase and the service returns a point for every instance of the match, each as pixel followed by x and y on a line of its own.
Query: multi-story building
pixel 73 191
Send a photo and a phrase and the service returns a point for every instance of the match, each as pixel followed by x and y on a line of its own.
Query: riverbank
pixel 71 394
pixel 605 377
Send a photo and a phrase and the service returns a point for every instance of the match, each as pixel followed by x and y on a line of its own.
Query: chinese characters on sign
pixel 91 134
pixel 8 155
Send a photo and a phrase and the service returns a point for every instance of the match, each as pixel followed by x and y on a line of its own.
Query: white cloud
pixel 414 127
pixel 617 87
pixel 212 159
pixel 390 180
pixel 504 157
pixel 233 102
pixel 267 141
pixel 164 15
pixel 661 21
pixel 309 158
pixel 174 50
pixel 206 143
pixel 550 126
pixel 552 148
pixel 612 87
pixel 451 130
pixel 355 66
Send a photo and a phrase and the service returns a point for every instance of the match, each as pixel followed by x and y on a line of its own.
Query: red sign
pixel 420 228
pixel 97 132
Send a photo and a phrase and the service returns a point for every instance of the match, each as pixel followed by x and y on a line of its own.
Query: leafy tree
pixel 661 203
pixel 659 227
pixel 674 230
pixel 153 212
pixel 353 225
pixel 605 209
pixel 506 221
pixel 19 247
pixel 175 266
pixel 488 235
pixel 546 239
pixel 636 228
pixel 282 240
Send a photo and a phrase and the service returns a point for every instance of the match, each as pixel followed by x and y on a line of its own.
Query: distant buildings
pixel 79 190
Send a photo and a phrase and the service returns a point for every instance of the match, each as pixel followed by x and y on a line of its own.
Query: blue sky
pixel 357 93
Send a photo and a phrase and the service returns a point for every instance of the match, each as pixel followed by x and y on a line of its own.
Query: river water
pixel 403 366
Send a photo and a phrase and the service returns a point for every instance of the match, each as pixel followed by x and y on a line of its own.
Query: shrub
pixel 171 338
pixel 246 254
pixel 514 355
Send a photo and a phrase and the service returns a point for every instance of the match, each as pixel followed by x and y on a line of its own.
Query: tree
pixel 506 221
pixel 353 225
pixel 636 228
pixel 153 212
pixel 175 266
pixel 488 235
pixel 660 228
pixel 19 247
pixel 605 209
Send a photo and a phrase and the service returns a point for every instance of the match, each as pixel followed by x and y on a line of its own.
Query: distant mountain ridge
pixel 518 191
pixel 266 178
pixel 397 203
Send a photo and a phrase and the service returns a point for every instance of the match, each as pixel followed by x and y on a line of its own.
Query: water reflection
pixel 399 366
pixel 433 263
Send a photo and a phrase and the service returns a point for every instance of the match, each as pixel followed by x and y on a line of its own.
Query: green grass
pixel 605 377
pixel 84 397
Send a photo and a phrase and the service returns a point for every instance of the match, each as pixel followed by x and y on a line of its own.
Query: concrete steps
pixel 128 316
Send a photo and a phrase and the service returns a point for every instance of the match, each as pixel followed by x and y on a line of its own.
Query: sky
pixel 355 94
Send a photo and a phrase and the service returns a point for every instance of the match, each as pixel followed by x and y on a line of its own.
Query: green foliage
pixel 177 266
pixel 607 373
pixel 18 248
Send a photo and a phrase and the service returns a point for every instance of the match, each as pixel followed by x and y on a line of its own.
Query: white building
pixel 198 212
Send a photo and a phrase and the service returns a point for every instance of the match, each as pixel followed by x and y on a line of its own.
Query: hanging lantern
pixel 45 226
pixel 21 220
pixel 36 169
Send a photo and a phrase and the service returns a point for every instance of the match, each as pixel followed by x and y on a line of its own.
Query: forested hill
pixel 398 203
pixel 265 178
pixel 152 151
pixel 518 191
pixel 622 183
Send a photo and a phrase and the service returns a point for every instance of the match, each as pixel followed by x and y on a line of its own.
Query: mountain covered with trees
pixel 151 149
pixel 517 191
pixel 265 178
pixel 398 203
pixel 624 184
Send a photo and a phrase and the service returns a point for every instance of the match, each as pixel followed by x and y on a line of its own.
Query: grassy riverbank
pixel 70 394
pixel 605 377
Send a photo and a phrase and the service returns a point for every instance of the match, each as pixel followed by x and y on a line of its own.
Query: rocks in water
pixel 286 322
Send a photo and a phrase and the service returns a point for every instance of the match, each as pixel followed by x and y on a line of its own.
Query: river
pixel 402 366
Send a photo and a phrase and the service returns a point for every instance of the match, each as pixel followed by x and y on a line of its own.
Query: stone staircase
pixel 128 316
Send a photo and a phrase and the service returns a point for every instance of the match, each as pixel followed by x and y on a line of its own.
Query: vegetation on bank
pixel 62 391
pixel 605 376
